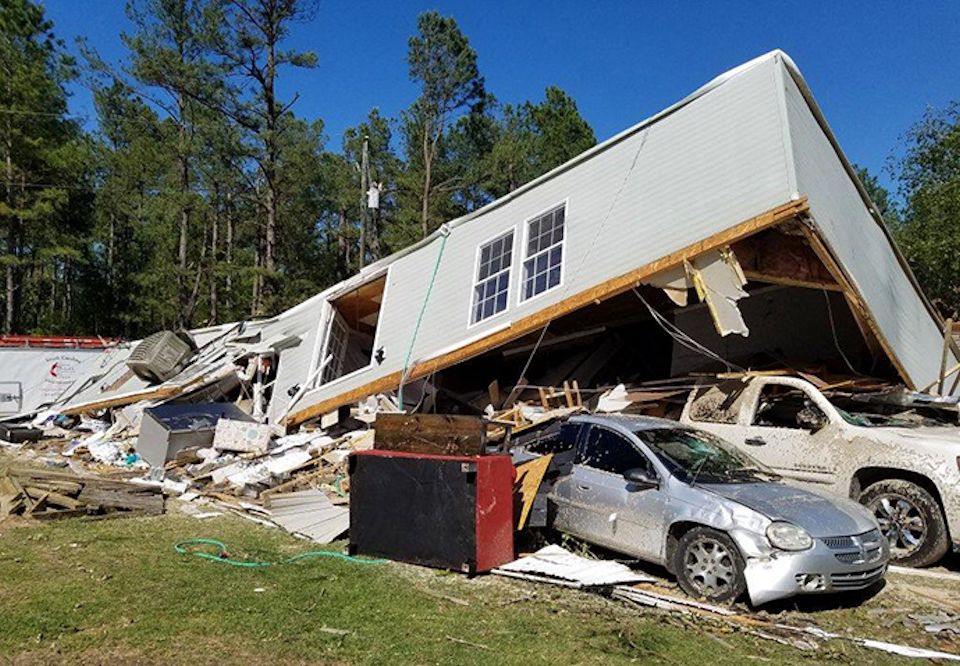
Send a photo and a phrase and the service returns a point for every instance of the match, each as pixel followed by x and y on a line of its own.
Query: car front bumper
pixel 819 570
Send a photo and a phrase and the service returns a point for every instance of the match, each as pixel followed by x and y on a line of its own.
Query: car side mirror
pixel 641 478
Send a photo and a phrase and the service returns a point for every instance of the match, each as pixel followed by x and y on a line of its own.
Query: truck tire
pixel 708 565
pixel 910 518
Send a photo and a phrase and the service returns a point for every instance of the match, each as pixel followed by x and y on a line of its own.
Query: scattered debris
pixel 553 564
pixel 45 494
pixel 310 513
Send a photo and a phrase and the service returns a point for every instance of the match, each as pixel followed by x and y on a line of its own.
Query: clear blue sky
pixel 874 67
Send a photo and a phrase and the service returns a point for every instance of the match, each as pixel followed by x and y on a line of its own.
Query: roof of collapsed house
pixel 747 151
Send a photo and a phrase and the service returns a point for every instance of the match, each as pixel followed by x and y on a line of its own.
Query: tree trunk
pixel 184 171
pixel 228 254
pixel 214 230
pixel 343 246
pixel 8 321
pixel 364 183
pixel 270 167
pixel 427 168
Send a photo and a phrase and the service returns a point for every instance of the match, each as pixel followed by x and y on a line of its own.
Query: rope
pixel 188 547
pixel 444 234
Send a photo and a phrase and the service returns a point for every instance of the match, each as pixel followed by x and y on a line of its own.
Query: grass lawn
pixel 114 591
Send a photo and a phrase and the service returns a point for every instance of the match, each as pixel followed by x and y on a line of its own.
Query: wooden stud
pixel 947 335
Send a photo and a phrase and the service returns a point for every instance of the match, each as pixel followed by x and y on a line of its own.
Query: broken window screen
pixel 609 452
pixel 493 278
pixel 544 253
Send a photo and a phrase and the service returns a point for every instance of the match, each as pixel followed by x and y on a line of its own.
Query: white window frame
pixel 512 231
pixel 377 337
pixel 565 204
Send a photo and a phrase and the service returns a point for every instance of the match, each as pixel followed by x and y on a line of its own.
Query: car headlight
pixel 787 536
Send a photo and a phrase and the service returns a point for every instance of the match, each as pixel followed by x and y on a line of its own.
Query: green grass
pixel 114 591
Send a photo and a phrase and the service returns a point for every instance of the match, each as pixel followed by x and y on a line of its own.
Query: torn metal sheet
pixel 309 513
pixel 719 281
pixel 555 565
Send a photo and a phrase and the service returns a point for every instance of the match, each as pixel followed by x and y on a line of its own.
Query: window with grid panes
pixel 543 255
pixel 492 285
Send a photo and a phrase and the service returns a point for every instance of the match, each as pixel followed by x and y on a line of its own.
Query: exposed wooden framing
pixel 865 321
pixel 537 320
pixel 157 393
pixel 755 276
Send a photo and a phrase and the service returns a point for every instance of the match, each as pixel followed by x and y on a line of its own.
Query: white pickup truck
pixel 904 467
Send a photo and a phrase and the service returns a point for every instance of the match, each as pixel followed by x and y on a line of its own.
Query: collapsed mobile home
pixel 728 231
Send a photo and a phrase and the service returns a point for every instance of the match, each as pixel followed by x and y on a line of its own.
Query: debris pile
pixel 46 494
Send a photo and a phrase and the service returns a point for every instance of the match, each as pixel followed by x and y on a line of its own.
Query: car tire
pixel 908 512
pixel 708 565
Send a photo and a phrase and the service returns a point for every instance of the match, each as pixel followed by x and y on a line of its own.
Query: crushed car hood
pixel 818 515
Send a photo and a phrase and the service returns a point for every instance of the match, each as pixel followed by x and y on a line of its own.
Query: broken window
pixel 719 403
pixel 492 283
pixel 785 407
pixel 543 255
pixel 610 452
pixel 337 336
pixel 351 333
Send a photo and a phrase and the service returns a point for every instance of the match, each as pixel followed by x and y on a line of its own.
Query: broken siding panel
pixel 861 246
pixel 712 164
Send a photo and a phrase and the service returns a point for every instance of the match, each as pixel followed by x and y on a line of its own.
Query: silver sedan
pixel 711 515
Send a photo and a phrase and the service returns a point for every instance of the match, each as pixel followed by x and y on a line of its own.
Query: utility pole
pixel 364 186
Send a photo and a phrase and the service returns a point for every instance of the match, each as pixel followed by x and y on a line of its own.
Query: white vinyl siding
pixel 492 285
pixel 543 254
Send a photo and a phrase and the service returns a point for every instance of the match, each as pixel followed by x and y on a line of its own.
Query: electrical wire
pixel 683 339
pixel 836 341
pixel 193 547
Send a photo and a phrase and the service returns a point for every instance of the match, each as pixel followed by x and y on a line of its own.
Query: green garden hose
pixel 223 556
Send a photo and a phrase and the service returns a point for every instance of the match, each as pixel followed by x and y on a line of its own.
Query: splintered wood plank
pixel 529 477
pixel 444 434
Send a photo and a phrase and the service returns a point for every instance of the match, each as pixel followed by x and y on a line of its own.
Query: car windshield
pixel 699 457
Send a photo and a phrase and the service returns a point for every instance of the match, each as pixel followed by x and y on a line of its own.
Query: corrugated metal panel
pixel 716 161
pixel 860 245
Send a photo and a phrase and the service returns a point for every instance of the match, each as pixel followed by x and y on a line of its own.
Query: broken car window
pixel 609 452
pixel 719 403
pixel 692 455
pixel 785 407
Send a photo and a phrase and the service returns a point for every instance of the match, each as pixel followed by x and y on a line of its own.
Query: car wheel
pixel 708 565
pixel 911 520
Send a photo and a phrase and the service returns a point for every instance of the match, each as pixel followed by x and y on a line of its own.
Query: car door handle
pixel 755 441
pixel 580 486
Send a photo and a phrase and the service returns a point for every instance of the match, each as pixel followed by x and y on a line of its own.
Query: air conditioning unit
pixel 161 356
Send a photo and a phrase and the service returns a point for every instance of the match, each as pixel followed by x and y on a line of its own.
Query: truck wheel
pixel 708 565
pixel 911 520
